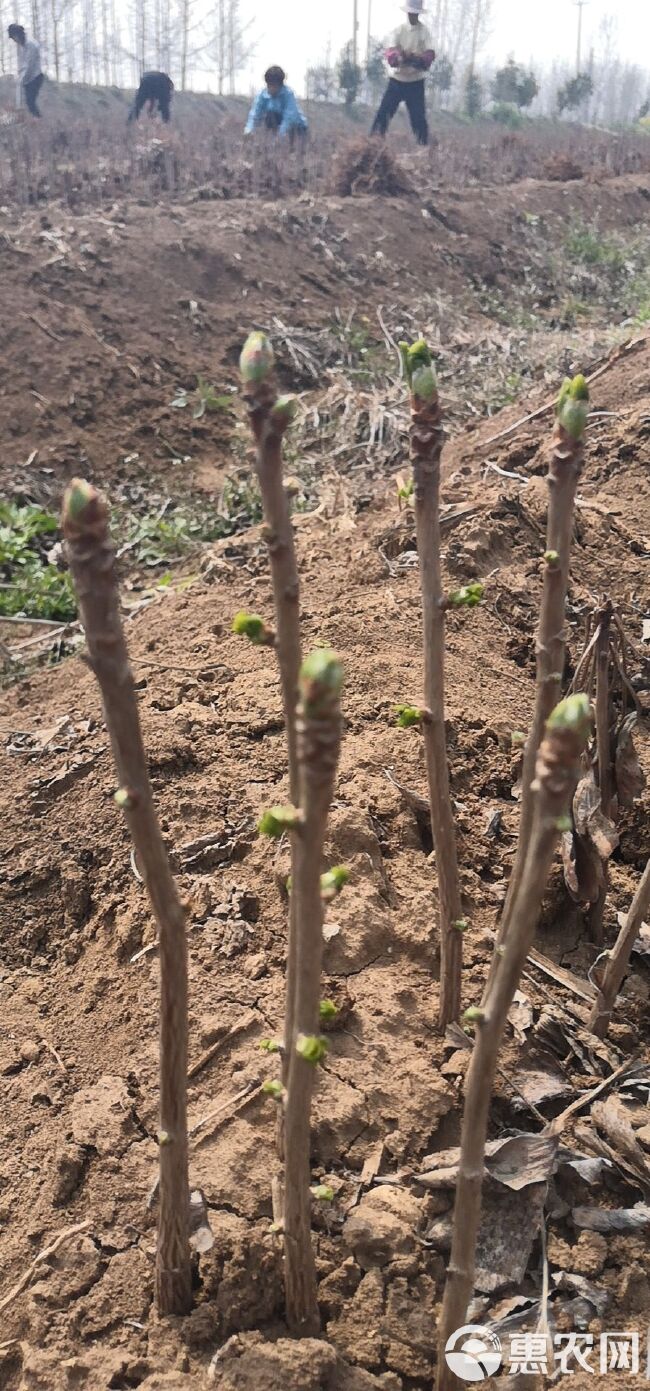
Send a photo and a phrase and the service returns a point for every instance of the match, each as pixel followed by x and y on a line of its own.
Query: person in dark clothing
pixel 30 75
pixel 155 88
pixel 409 59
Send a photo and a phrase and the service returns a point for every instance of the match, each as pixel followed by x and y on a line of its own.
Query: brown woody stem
pixel 604 755
pixel 92 562
pixel 619 958
pixel 319 742
pixel 268 429
pixel 564 471
pixel 552 789
pixel 426 448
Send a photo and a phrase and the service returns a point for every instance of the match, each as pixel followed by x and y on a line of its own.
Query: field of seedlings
pixel 324 717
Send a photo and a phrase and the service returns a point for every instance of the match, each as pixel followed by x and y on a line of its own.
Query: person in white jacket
pixel 409 60
pixel 30 73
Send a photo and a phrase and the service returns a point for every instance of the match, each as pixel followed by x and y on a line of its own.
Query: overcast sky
pixel 295 33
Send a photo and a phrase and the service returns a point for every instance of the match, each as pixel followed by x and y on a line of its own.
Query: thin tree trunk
pixel 554 784
pixel 604 755
pixel 565 467
pixel 619 958
pixel 320 734
pixel 92 562
pixel 426 448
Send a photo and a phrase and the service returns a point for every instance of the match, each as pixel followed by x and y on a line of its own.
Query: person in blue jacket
pixel 275 108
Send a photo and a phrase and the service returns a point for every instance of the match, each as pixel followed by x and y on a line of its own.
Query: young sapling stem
pixel 553 786
pixel 619 958
pixel 565 467
pixel 319 728
pixel 92 562
pixel 604 755
pixel 426 447
pixel 270 416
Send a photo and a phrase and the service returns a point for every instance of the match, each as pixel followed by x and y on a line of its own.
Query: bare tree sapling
pixel 618 958
pixel 319 729
pixel 92 562
pixel 552 789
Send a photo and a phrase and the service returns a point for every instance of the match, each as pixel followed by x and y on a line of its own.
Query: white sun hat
pixel 414 7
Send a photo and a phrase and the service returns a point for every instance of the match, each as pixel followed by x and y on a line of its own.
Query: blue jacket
pixel 283 105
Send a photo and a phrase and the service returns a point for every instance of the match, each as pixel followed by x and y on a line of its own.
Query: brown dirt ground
pixel 78 1043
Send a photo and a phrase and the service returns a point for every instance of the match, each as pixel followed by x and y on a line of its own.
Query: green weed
pixel 589 246
pixel 204 400
pixel 29 585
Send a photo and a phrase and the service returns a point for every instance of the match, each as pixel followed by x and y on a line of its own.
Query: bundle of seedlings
pixel 426 437
pixel 612 778
pixel 93 566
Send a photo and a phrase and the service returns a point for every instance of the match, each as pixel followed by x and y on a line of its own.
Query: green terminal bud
pixel 311 1048
pixel 333 881
pixel 322 1193
pixel 125 799
pixel 78 497
pixel 474 1015
pixel 460 925
pixel 327 1010
pixel 321 679
pixel 164 1137
pixel 468 597
pixel 407 716
pixel 572 406
pixel 251 626
pixel 270 1045
pixel 552 558
pixel 277 820
pixel 257 358
pixel 575 714
pixel 273 1089
pixel 419 370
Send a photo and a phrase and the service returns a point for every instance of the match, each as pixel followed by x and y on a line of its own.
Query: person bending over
pixel 276 108
pixel 156 89
pixel 410 58
pixel 30 75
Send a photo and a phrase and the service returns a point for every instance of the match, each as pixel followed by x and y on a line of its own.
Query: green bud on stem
pixel 474 1015
pixel 460 925
pixel 251 626
pixel 257 358
pixel 270 1045
pixel 273 1089
pixel 563 824
pixel 78 497
pixel 572 406
pixel 517 738
pixel 277 820
pixel 321 679
pixel 407 716
pixel 322 1193
pixel 327 1010
pixel 552 558
pixel 333 881
pixel 468 597
pixel 125 799
pixel 284 411
pixel 311 1049
pixel 574 713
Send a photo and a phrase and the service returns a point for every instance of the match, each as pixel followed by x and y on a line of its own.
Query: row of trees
pixel 102 42
pixel 612 94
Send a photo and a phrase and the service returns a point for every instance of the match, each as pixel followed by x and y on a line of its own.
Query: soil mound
pixel 367 166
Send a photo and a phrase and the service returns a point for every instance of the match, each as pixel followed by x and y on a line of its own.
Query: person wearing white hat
pixel 409 59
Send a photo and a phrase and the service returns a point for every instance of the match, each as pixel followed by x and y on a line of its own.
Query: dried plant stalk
pixel 552 789
pixel 426 448
pixel 92 562
pixel 619 958
pixel 319 728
